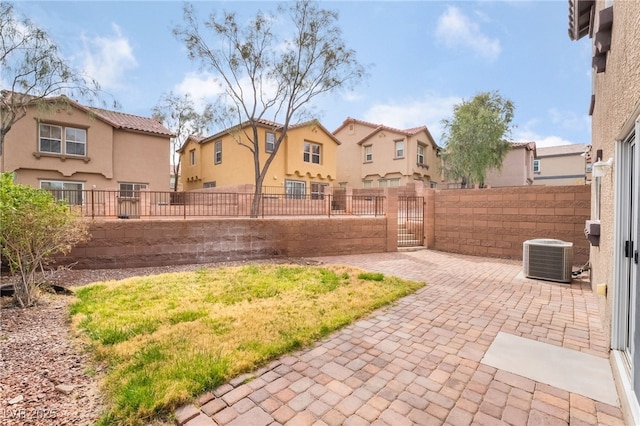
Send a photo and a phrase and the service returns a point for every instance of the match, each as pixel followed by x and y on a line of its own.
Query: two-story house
pixel 517 167
pixel 375 155
pixel 305 162
pixel 73 147
pixel 562 165
pixel 614 29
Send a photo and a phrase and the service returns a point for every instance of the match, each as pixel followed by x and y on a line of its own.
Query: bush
pixel 33 228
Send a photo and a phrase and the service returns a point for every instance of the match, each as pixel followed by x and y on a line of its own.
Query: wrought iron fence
pixel 128 204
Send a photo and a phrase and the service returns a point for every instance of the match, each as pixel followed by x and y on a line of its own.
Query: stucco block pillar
pixel 429 217
pixel 391 210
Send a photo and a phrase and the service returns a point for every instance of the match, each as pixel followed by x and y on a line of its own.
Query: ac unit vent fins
pixel 548 259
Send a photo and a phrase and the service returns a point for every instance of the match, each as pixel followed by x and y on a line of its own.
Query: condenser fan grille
pixel 548 259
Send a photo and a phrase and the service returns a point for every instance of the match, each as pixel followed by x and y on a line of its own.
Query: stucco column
pixel 391 210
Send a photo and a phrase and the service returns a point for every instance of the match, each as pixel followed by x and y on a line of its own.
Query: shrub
pixel 33 228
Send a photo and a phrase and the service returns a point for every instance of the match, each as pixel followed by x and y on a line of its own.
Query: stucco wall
pixel 617 92
pixel 495 222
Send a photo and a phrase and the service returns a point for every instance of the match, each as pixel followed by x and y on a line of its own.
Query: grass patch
pixel 167 338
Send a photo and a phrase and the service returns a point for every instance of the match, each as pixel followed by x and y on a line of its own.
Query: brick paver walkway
pixel 418 361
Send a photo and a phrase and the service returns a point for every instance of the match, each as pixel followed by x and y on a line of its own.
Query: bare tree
pixel 33 70
pixel 179 115
pixel 265 78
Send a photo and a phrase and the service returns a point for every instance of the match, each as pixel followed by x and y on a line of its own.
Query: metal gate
pixel 410 221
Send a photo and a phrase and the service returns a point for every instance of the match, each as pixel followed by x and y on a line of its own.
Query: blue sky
pixel 423 57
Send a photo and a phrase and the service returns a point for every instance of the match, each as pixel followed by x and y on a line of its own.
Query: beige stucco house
pixel 614 28
pixel 562 165
pixel 304 164
pixel 72 147
pixel 375 155
pixel 517 167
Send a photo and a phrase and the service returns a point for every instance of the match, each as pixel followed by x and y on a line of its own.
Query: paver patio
pixel 419 361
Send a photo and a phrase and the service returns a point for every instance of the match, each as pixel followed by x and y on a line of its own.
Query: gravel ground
pixel 46 375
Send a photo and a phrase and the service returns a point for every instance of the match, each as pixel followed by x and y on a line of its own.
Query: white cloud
pixel 428 111
pixel 457 30
pixel 569 120
pixel 528 134
pixel 107 59
pixel 199 85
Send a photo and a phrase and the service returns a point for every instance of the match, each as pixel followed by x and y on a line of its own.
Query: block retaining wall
pixel 142 243
pixel 496 222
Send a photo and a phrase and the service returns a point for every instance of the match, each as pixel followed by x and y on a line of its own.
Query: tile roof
pixel 562 150
pixel 409 132
pixel 131 122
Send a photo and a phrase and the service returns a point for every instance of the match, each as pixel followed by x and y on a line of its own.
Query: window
pixel 131 190
pixel 311 153
pixel 368 154
pixel 295 188
pixel 209 184
pixel 270 142
pixel 71 192
pixel 75 141
pixel 399 149
pixel 367 183
pixel 217 152
pixel 420 158
pixel 433 184
pixel 536 166
pixel 192 157
pixel 317 190
pixel 382 183
pixel 51 137
pixel 588 167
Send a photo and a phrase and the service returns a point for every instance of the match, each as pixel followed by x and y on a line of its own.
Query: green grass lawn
pixel 167 338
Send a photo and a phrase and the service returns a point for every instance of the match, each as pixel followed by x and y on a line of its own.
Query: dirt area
pixel 47 376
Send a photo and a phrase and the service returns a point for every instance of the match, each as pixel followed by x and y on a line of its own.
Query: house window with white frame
pixel 51 138
pixel 383 183
pixel 295 189
pixel 270 142
pixel 317 190
pixel 536 166
pixel 192 157
pixel 420 156
pixel 399 149
pixel 367 184
pixel 131 190
pixel 71 192
pixel 311 153
pixel 217 152
pixel 368 154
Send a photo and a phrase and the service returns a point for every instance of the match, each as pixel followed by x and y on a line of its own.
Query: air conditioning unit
pixel 548 259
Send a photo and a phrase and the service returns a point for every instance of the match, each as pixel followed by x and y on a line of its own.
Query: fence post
pixel 184 205
pixel 92 206
pixel 329 198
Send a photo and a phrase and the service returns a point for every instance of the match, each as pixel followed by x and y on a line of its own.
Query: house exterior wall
pixel 557 168
pixel 354 170
pixel 112 155
pixel 237 166
pixel 516 169
pixel 616 103
pixel 617 93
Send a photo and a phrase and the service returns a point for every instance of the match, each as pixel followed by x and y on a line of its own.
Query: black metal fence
pixel 96 203
pixel 410 221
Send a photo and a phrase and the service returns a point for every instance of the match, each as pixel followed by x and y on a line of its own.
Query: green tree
pixel 264 77
pixel 179 115
pixel 34 228
pixel 32 71
pixel 475 139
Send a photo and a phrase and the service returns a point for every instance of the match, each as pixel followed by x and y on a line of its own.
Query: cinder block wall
pixel 495 222
pixel 139 243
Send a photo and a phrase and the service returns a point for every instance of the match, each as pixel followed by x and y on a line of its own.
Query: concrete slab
pixel 567 369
